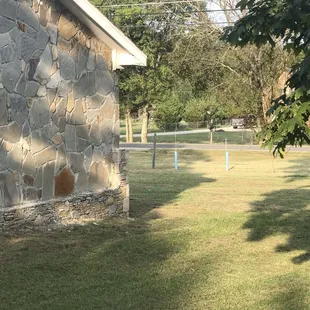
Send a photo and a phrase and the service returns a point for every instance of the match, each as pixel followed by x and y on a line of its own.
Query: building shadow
pixel 113 264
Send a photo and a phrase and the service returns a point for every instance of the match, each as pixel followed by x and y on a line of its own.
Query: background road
pixel 213 147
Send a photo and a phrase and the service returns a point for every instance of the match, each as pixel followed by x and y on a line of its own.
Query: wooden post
pixel 154 152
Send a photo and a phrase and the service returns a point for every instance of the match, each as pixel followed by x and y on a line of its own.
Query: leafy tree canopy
pixel 284 22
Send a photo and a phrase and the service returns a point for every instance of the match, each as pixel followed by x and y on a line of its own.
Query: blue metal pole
pixel 176 160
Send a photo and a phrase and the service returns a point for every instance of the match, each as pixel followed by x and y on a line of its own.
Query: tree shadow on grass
pixel 283 212
pixel 115 264
pixel 300 169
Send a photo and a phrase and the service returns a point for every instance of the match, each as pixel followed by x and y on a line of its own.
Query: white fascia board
pixel 107 32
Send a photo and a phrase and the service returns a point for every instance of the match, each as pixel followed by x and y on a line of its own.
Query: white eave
pixel 125 52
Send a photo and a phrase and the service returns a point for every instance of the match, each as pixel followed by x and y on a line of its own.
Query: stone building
pixel 59 114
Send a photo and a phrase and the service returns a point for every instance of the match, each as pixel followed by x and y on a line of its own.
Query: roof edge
pixel 106 31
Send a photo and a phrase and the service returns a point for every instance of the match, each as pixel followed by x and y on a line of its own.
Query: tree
pixel 204 109
pixel 283 22
pixel 143 88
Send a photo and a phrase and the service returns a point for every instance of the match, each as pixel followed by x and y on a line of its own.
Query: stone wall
pixel 59 115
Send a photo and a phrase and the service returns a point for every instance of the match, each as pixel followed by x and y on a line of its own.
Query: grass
pixel 199 238
pixel 204 138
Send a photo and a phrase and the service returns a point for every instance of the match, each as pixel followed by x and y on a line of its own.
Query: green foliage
pixel 286 21
pixel 203 109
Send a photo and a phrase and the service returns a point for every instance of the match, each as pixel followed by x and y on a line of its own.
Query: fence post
pixel 154 151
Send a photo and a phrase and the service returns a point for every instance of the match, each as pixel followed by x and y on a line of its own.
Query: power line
pixel 176 13
pixel 181 24
pixel 148 3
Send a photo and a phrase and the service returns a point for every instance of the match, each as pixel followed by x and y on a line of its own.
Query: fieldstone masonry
pixel 59 119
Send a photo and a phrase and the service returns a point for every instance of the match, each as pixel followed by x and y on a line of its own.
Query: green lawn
pixel 199 238
pixel 236 137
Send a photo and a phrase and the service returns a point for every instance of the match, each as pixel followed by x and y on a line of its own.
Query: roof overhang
pixel 125 52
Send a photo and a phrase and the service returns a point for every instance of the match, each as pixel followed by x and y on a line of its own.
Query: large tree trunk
pixel 266 102
pixel 145 123
pixel 129 131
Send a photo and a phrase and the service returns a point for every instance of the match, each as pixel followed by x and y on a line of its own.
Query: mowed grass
pixel 198 238
pixel 204 138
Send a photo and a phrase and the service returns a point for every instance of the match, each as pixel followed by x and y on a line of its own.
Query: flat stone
pixel 9 194
pixel 32 67
pixel 82 132
pixel 18 108
pixel 51 95
pixel 10 133
pixel 50 130
pixel 63 88
pixel 45 65
pixel 61 158
pixel 5 39
pixel 42 39
pixel 28 166
pixel 57 139
pixel 94 133
pixel 48 181
pixel 97 154
pixel 52 31
pixel 67 28
pixel 15 157
pixel 39 113
pixel 54 81
pixel 67 66
pixel 6 24
pixel 126 205
pixel 112 210
pixel 76 117
pixel 101 63
pixel 3 157
pixel 42 92
pixel 9 53
pixel 46 155
pixel 38 178
pixel 28 180
pixel 31 194
pixel 71 103
pixel 39 141
pixel 54 52
pixel 76 162
pixel 21 85
pixel 26 129
pixel 82 181
pixel 32 33
pixel 81 144
pixel 3 108
pixel 70 137
pixel 36 54
pixel 80 86
pixel 91 114
pixel 64 45
pixel 43 12
pixel 82 59
pixel 91 83
pixel 104 82
pixel 31 89
pixel 95 102
pixel 88 153
pixel 91 63
pixel 64 183
pixel 98 177
pixel 27 16
pixel 8 8
pixel 27 47
pixel 62 123
pixel 61 106
pixel 107 110
pixel 11 73
pixel 16 37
